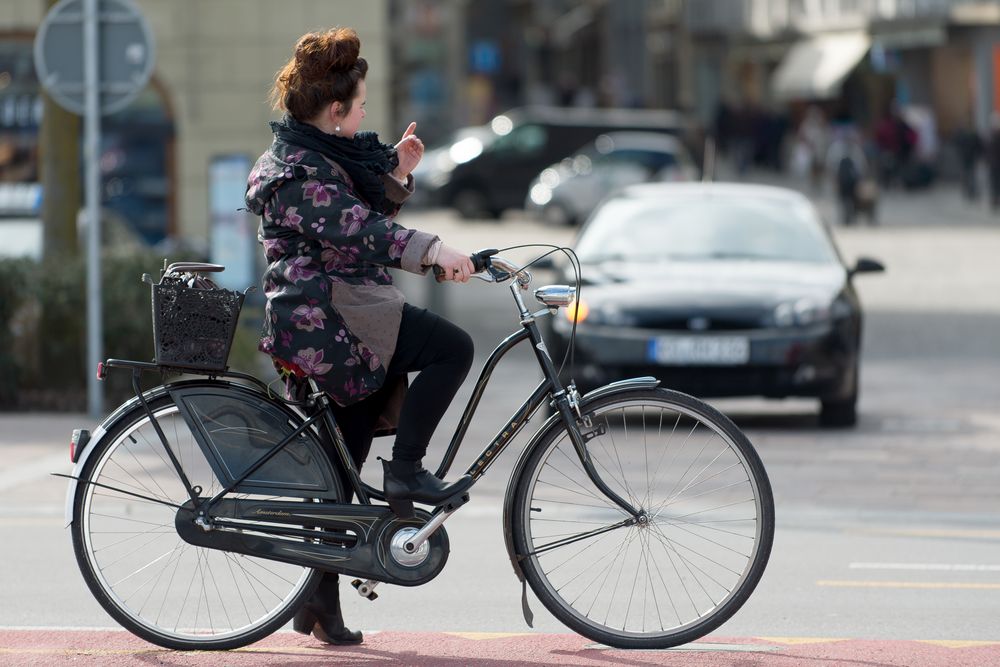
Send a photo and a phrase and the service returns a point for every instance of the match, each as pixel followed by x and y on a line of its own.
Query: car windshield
pixel 698 228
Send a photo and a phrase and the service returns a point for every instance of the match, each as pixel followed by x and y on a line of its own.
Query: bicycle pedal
pixel 455 502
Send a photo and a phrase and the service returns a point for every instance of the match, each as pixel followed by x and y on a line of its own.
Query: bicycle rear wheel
pixel 689 564
pixel 151 581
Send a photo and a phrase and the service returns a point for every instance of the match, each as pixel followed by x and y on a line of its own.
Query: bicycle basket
pixel 193 327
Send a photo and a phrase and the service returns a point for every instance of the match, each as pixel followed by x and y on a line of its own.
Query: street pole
pixel 92 147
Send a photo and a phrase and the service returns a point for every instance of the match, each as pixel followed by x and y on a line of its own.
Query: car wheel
pixel 471 203
pixel 839 413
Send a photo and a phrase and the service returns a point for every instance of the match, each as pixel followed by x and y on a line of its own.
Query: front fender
pixel 645 382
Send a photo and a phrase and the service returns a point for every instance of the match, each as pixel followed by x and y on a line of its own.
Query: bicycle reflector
pixel 100 370
pixel 77 443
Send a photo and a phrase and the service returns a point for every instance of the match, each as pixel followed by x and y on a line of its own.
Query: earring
pixel 336 129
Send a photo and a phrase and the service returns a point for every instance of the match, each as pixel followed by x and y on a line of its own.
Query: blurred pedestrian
pixel 895 141
pixel 969 147
pixel 993 160
pixel 847 163
pixel 811 145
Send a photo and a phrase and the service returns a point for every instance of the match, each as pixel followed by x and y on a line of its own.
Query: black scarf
pixel 364 158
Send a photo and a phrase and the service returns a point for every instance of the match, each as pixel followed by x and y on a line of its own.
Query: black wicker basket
pixel 193 327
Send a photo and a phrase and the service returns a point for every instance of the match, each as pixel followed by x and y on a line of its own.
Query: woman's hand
pixel 409 149
pixel 457 265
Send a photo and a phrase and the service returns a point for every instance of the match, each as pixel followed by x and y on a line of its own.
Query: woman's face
pixel 350 122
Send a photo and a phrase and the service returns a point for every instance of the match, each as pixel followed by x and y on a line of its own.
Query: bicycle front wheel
pixel 150 580
pixel 699 547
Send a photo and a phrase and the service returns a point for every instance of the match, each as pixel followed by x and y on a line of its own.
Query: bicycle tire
pixel 722 504
pixel 143 467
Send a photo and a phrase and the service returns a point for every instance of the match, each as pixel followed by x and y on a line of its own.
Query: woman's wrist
pixel 395 173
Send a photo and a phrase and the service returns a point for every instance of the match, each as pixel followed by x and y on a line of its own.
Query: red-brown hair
pixel 326 68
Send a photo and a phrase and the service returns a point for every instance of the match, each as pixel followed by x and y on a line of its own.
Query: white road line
pixel 34 471
pixel 930 567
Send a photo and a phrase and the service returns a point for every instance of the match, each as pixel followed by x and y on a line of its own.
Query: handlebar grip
pixel 480 259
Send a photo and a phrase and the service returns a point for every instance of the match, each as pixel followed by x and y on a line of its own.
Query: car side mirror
pixel 867 265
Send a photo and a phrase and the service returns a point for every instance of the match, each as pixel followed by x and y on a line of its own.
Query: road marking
pixel 930 532
pixel 792 641
pixel 957 643
pixel 477 636
pixel 36 470
pixel 945 567
pixel 908 584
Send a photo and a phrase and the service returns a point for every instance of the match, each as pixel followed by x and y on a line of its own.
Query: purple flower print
pixel 295 158
pixel 286 338
pixel 368 358
pixel 350 388
pixel 298 270
pixel 319 225
pixel 322 194
pixel 274 248
pixel 308 318
pixel 399 241
pixel 291 218
pixel 266 344
pixel 332 259
pixel 310 361
pixel 340 336
pixel 353 219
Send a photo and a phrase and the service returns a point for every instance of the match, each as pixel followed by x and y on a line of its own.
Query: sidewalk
pixel 942 204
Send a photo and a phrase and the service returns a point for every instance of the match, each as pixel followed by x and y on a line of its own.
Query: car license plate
pixel 694 350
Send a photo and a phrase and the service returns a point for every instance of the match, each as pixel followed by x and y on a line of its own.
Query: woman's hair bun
pixel 344 47
pixel 335 50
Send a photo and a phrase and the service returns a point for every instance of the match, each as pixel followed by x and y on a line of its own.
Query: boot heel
pixel 304 621
pixel 401 508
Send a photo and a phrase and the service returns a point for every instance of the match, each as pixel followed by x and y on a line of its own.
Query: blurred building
pixel 852 57
pixel 207 101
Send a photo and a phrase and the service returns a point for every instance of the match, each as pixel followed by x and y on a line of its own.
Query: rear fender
pixel 646 382
pixel 187 394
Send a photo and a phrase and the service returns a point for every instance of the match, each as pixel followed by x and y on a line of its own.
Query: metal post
pixel 92 186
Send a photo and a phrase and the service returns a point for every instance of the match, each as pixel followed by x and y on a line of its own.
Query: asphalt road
pixel 888 533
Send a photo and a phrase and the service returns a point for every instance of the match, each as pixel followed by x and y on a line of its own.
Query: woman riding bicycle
pixel 327 195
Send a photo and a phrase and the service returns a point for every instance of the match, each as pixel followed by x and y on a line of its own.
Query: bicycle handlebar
pixel 492 268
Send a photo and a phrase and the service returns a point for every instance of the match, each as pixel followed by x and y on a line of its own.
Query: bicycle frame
pixel 356 535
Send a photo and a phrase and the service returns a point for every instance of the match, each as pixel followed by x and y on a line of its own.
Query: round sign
pixel 124 48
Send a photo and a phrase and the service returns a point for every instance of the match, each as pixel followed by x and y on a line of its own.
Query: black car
pixel 718 290
pixel 483 176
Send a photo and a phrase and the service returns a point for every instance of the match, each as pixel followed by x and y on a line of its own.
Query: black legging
pixel 442 353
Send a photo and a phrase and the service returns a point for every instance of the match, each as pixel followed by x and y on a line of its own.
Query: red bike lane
pixel 45 647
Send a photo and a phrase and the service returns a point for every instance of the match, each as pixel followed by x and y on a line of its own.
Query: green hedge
pixel 43 330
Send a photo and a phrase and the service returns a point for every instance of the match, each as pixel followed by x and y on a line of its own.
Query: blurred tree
pixel 59 161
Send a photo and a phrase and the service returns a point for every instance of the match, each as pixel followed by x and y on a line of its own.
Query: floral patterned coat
pixel 332 311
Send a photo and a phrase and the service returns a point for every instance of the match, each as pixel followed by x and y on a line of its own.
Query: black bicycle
pixel 204 511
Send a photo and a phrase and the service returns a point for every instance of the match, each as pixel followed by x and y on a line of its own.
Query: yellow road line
pixel 908 584
pixel 476 636
pixel 801 640
pixel 957 643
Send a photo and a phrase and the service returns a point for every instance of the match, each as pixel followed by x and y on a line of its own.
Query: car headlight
pixel 801 312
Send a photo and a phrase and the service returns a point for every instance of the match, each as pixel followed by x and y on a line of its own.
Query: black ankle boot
pixel 321 616
pixel 407 482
